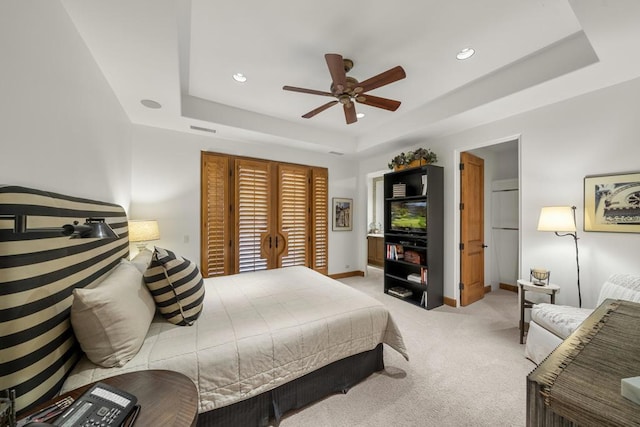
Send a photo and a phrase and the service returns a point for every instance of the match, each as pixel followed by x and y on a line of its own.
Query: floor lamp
pixel 561 219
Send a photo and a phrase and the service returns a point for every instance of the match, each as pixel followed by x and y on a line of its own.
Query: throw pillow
pixel 176 286
pixel 111 320
pixel 142 260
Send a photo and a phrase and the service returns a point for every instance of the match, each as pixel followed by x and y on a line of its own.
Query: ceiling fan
pixel 347 89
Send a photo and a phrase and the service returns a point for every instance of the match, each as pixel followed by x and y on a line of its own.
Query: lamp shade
pixel 557 218
pixel 143 230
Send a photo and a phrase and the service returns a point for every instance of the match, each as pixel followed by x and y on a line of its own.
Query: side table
pixel 166 398
pixel 527 286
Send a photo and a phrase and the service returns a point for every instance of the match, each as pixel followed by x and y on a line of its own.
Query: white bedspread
pixel 258 331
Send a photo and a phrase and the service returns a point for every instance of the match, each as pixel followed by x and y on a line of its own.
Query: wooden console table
pixel 579 382
pixel 166 398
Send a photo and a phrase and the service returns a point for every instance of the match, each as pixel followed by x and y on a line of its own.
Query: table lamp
pixel 143 231
pixel 561 219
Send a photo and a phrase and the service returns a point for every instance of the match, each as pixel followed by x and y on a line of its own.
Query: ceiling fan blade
pixel 376 101
pixel 389 76
pixel 350 113
pixel 336 68
pixel 303 90
pixel 319 109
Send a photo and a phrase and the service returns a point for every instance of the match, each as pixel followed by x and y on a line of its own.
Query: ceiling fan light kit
pixel 346 89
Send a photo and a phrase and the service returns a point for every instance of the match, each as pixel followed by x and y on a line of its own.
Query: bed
pixel 265 342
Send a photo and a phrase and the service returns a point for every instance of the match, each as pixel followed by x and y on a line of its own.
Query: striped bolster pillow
pixel 176 286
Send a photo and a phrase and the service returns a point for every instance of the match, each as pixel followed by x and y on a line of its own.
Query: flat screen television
pixel 409 216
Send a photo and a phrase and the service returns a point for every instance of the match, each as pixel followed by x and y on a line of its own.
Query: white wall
pixel 61 127
pixel 63 130
pixel 166 187
pixel 592 134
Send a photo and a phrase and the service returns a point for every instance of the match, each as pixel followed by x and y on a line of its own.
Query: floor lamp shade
pixel 557 218
pixel 143 231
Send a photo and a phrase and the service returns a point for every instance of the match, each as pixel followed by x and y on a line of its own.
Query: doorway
pixel 375 221
pixel 500 225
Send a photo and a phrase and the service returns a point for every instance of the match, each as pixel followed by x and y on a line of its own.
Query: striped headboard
pixel 39 268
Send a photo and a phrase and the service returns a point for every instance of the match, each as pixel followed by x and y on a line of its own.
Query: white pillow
pixel 111 320
pixel 142 260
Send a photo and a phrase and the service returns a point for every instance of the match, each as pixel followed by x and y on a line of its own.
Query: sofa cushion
pixel 561 320
pixel 621 286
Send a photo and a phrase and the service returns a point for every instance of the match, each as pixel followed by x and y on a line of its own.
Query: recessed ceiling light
pixel 150 103
pixel 360 115
pixel 465 53
pixel 239 77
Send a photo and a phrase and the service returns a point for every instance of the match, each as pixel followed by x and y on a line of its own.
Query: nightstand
pixel 527 286
pixel 166 398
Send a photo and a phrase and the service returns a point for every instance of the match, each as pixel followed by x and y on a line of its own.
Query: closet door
pixel 320 220
pixel 258 214
pixel 253 211
pixel 214 199
pixel 293 216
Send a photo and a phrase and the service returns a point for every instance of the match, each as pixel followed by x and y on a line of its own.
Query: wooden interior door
pixel 471 228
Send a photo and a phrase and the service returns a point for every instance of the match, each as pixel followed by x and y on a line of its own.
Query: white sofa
pixel 551 324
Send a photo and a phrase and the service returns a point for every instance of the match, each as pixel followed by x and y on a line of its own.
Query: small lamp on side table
pixel 143 231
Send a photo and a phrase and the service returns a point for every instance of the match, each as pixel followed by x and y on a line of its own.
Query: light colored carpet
pixel 466 368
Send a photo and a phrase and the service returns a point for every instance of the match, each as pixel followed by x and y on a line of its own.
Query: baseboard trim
pixel 487 289
pixel 347 274
pixel 508 287
pixel 451 302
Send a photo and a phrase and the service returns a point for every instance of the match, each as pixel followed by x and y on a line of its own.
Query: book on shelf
pixel 424 185
pixel 415 278
pixel 399 291
pixel 423 301
pixel 399 190
pixel 395 251
pixel 420 278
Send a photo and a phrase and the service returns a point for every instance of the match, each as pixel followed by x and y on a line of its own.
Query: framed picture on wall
pixel 612 203
pixel 342 214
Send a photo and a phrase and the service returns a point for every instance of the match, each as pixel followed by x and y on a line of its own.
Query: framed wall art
pixel 612 203
pixel 342 214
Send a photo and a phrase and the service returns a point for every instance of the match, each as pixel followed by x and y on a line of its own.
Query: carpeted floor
pixel 466 368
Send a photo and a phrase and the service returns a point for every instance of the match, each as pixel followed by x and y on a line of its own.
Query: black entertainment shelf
pixel 419 249
pixel 421 236
pixel 395 199
pixel 422 286
pixel 413 264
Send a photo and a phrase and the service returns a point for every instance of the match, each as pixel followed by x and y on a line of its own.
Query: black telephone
pixel 101 405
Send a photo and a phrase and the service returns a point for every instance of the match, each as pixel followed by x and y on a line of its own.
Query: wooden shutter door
pixel 293 215
pixel 253 215
pixel 320 219
pixel 214 200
